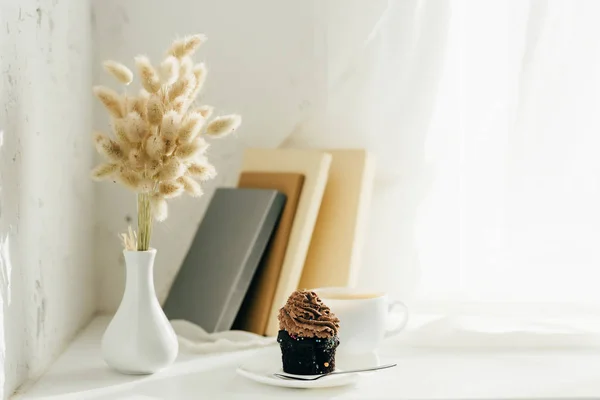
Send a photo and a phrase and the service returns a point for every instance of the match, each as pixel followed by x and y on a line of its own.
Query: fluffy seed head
pixel 190 128
pixel 170 145
pixel 160 209
pixel 139 104
pixel 206 111
pixel 108 148
pixel 185 66
pixel 182 87
pixel 130 179
pixel 193 42
pixel 135 128
pixel 152 166
pixel 187 45
pixel 170 125
pixel 118 71
pixel 179 105
pixel 202 171
pixel 104 171
pixel 136 157
pixel 119 128
pixel 148 75
pixel 111 100
pixel 196 147
pixel 169 70
pixel 170 189
pixel 155 110
pixel 200 73
pixel 155 147
pixel 190 186
pixel 223 126
pixel 172 170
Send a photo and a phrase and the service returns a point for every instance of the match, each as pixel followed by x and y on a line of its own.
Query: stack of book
pixel 295 221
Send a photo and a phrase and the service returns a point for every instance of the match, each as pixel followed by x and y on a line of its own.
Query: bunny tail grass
pixel 118 71
pixel 111 100
pixel 190 186
pixel 204 172
pixel 169 70
pixel 191 127
pixel 170 189
pixel 223 126
pixel 104 171
pixel 186 46
pixel 196 147
pixel 149 76
pixel 160 209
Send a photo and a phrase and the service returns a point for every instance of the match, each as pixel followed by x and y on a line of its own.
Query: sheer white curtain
pixel 483 115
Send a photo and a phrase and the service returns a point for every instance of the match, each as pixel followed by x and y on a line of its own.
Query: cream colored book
pixel 314 165
pixel 334 255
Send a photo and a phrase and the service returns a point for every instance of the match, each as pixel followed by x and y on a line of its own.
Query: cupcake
pixel 307 335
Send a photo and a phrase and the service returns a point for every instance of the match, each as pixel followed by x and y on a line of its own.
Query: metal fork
pixel 314 378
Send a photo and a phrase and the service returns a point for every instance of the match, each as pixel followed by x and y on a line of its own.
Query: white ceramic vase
pixel 139 339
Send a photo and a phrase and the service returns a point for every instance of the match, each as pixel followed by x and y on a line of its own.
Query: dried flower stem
pixel 144 221
pixel 129 240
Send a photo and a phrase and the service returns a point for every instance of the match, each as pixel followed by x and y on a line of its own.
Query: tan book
pixel 254 312
pixel 314 165
pixel 334 254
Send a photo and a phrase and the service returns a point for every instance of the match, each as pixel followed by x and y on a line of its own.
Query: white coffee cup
pixel 364 317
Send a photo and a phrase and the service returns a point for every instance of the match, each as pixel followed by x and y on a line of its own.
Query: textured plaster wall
pixel 46 223
pixel 264 63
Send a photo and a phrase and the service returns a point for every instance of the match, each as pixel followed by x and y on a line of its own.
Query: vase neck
pixel 140 276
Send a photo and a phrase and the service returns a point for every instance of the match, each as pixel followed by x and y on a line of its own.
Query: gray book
pixel 224 255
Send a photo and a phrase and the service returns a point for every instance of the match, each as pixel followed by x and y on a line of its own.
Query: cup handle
pixel 403 321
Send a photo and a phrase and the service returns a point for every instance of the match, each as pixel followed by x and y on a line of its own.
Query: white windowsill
pixel 81 374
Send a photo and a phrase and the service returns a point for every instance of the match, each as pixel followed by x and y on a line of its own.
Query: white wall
pixel 264 63
pixel 46 268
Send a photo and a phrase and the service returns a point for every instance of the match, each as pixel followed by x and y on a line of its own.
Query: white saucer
pixel 261 367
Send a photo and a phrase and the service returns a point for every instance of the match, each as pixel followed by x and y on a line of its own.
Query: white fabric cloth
pixel 492 331
pixel 194 339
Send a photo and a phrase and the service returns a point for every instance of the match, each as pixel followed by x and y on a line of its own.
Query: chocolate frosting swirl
pixel 305 315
